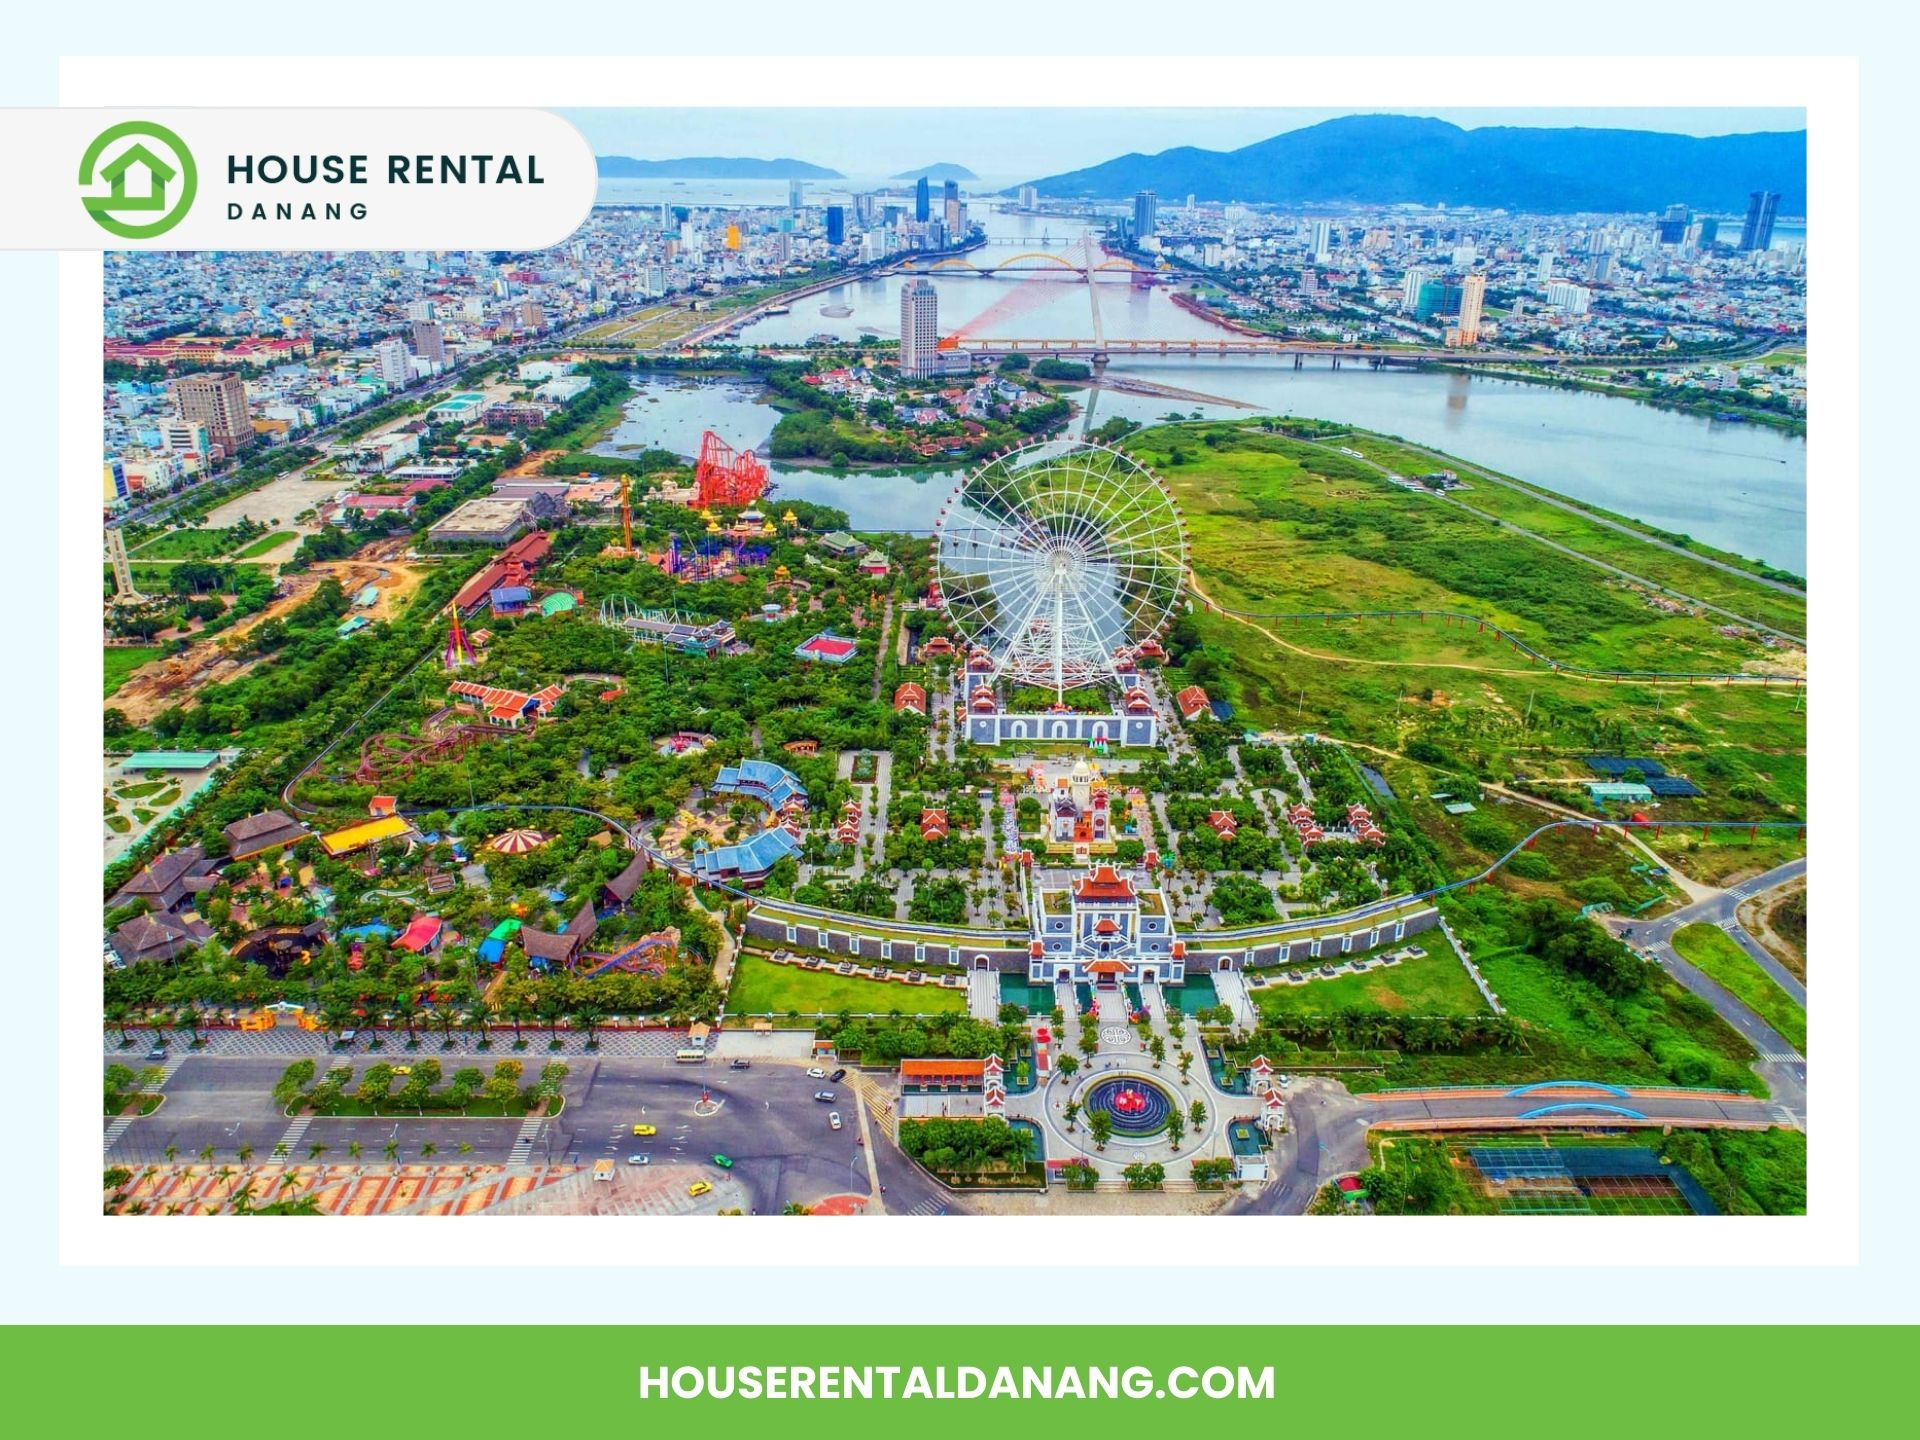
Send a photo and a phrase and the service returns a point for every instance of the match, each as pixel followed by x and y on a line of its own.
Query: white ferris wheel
pixel 1059 559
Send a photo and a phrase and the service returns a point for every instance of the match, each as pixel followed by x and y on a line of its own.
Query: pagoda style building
pixel 1099 928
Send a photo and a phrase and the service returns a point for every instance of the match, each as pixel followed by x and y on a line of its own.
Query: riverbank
pixel 1706 408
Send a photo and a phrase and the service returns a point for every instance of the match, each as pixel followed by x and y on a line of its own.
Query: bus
pixel 693 1055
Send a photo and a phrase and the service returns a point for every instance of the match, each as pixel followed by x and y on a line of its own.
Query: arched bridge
pixel 1029 262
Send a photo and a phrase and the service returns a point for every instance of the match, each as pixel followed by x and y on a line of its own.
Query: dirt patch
pixel 162 684
pixel 1770 919
pixel 531 464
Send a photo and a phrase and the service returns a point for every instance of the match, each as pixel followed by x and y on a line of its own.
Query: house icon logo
pixel 148 176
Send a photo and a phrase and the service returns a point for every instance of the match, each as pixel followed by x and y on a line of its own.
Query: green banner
pixel 526 1381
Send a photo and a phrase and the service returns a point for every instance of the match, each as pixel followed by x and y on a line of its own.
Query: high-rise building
pixel 1410 291
pixel 1757 233
pixel 1146 211
pixel 1709 231
pixel 922 201
pixel 430 342
pixel 1473 296
pixel 420 310
pixel 1322 241
pixel 1437 298
pixel 952 211
pixel 836 224
pixel 1574 299
pixel 1545 275
pixel 1673 226
pixel 796 194
pixel 217 400
pixel 919 327
pixel 1029 198
pixel 1600 269
pixel 396 367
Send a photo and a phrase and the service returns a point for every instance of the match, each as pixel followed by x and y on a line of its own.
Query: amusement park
pixel 1161 791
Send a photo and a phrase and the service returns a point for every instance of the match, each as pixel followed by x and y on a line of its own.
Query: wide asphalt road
pixel 764 1119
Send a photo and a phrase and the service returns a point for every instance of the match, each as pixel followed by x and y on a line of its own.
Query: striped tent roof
pixel 517 842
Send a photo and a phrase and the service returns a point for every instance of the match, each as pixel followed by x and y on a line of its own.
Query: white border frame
pixel 1826 87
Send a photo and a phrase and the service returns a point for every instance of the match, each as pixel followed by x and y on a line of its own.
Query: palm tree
pixel 316 1150
pixel 116 1014
pixel 172 1152
pixel 429 1150
pixel 354 1148
pixel 206 1154
pixel 411 1012
pixel 466 1147
pixel 1197 1112
pixel 392 1149
pixel 245 1152
pixel 588 1016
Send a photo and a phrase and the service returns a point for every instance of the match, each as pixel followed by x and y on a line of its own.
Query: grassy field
pixel 1522 505
pixel 1433 985
pixel 183 545
pixel 265 545
pixel 1278 528
pixel 761 987
pixel 1709 948
pixel 120 661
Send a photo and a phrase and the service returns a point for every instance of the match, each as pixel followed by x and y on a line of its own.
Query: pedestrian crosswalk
pixel 114 1131
pixel 929 1206
pixel 523 1142
pixel 293 1136
pixel 122 1123
pixel 1783 1057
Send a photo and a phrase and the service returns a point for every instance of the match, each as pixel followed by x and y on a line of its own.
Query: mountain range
pixel 712 167
pixel 941 170
pixel 1398 159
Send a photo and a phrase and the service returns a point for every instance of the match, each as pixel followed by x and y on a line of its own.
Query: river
pixel 1739 487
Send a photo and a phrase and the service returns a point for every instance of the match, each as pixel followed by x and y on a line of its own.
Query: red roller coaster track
pixel 727 477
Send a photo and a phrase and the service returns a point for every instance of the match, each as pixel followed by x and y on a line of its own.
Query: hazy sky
pixel 1023 144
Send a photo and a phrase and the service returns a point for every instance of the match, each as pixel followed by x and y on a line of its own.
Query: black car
pixel 838 1075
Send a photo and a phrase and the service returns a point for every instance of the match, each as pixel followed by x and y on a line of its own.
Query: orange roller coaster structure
pixel 726 477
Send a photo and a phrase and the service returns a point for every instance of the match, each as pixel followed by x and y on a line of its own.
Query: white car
pixel 833 1119
pixel 816 1073
pixel 639 1159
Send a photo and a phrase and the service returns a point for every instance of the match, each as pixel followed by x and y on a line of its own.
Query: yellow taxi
pixel 645 1130
pixel 699 1187
pixel 403 1070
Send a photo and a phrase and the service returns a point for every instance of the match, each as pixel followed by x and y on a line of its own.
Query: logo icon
pixel 149 175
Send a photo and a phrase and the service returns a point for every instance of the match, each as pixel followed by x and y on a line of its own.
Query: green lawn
pixel 761 987
pixel 1433 985
pixel 183 545
pixel 265 544
pixel 120 661
pixel 1708 948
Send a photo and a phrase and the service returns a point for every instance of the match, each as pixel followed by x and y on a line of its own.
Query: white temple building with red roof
pixel 1100 927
